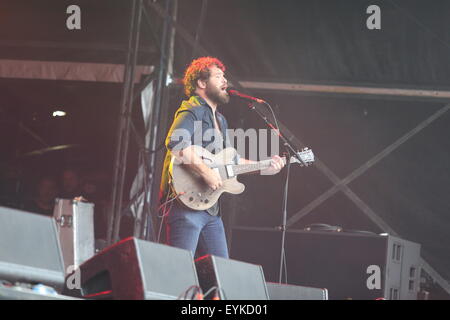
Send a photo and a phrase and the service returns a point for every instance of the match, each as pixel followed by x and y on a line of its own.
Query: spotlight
pixel 59 113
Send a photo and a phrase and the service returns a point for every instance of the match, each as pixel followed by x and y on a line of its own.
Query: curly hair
pixel 199 69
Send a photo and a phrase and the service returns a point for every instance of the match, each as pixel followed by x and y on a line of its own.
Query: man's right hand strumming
pixel 212 179
pixel 194 162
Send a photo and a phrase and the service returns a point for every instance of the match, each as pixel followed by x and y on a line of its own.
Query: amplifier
pixel 351 265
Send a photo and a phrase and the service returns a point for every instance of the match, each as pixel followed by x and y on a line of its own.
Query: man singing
pixel 205 85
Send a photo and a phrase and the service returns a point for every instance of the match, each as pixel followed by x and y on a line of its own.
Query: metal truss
pixel 129 95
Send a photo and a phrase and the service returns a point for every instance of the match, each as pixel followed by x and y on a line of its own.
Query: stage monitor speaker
pixel 278 291
pixel 134 269
pixel 25 293
pixel 30 251
pixel 233 280
pixel 351 265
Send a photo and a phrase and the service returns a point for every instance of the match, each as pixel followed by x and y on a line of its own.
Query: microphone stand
pixel 282 228
pixel 290 151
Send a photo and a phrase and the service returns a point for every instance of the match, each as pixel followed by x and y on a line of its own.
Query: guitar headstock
pixel 306 155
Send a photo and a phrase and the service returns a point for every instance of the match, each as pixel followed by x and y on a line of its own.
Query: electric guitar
pixel 193 191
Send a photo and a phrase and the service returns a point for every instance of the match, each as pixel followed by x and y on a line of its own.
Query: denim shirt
pixel 191 121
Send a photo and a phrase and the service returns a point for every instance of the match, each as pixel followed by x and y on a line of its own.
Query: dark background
pixel 323 42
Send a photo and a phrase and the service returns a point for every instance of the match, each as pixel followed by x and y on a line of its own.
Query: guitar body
pixel 192 190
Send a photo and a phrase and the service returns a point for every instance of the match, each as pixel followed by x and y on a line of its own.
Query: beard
pixel 217 95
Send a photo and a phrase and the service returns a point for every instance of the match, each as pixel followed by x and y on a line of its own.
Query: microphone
pixel 245 97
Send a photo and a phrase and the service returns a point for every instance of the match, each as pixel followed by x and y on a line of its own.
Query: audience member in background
pixel 43 200
pixel 71 184
pixel 90 190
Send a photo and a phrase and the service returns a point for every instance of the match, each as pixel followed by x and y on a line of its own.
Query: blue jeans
pixel 196 231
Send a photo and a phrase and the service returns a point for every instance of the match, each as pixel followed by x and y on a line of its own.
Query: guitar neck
pixel 252 167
